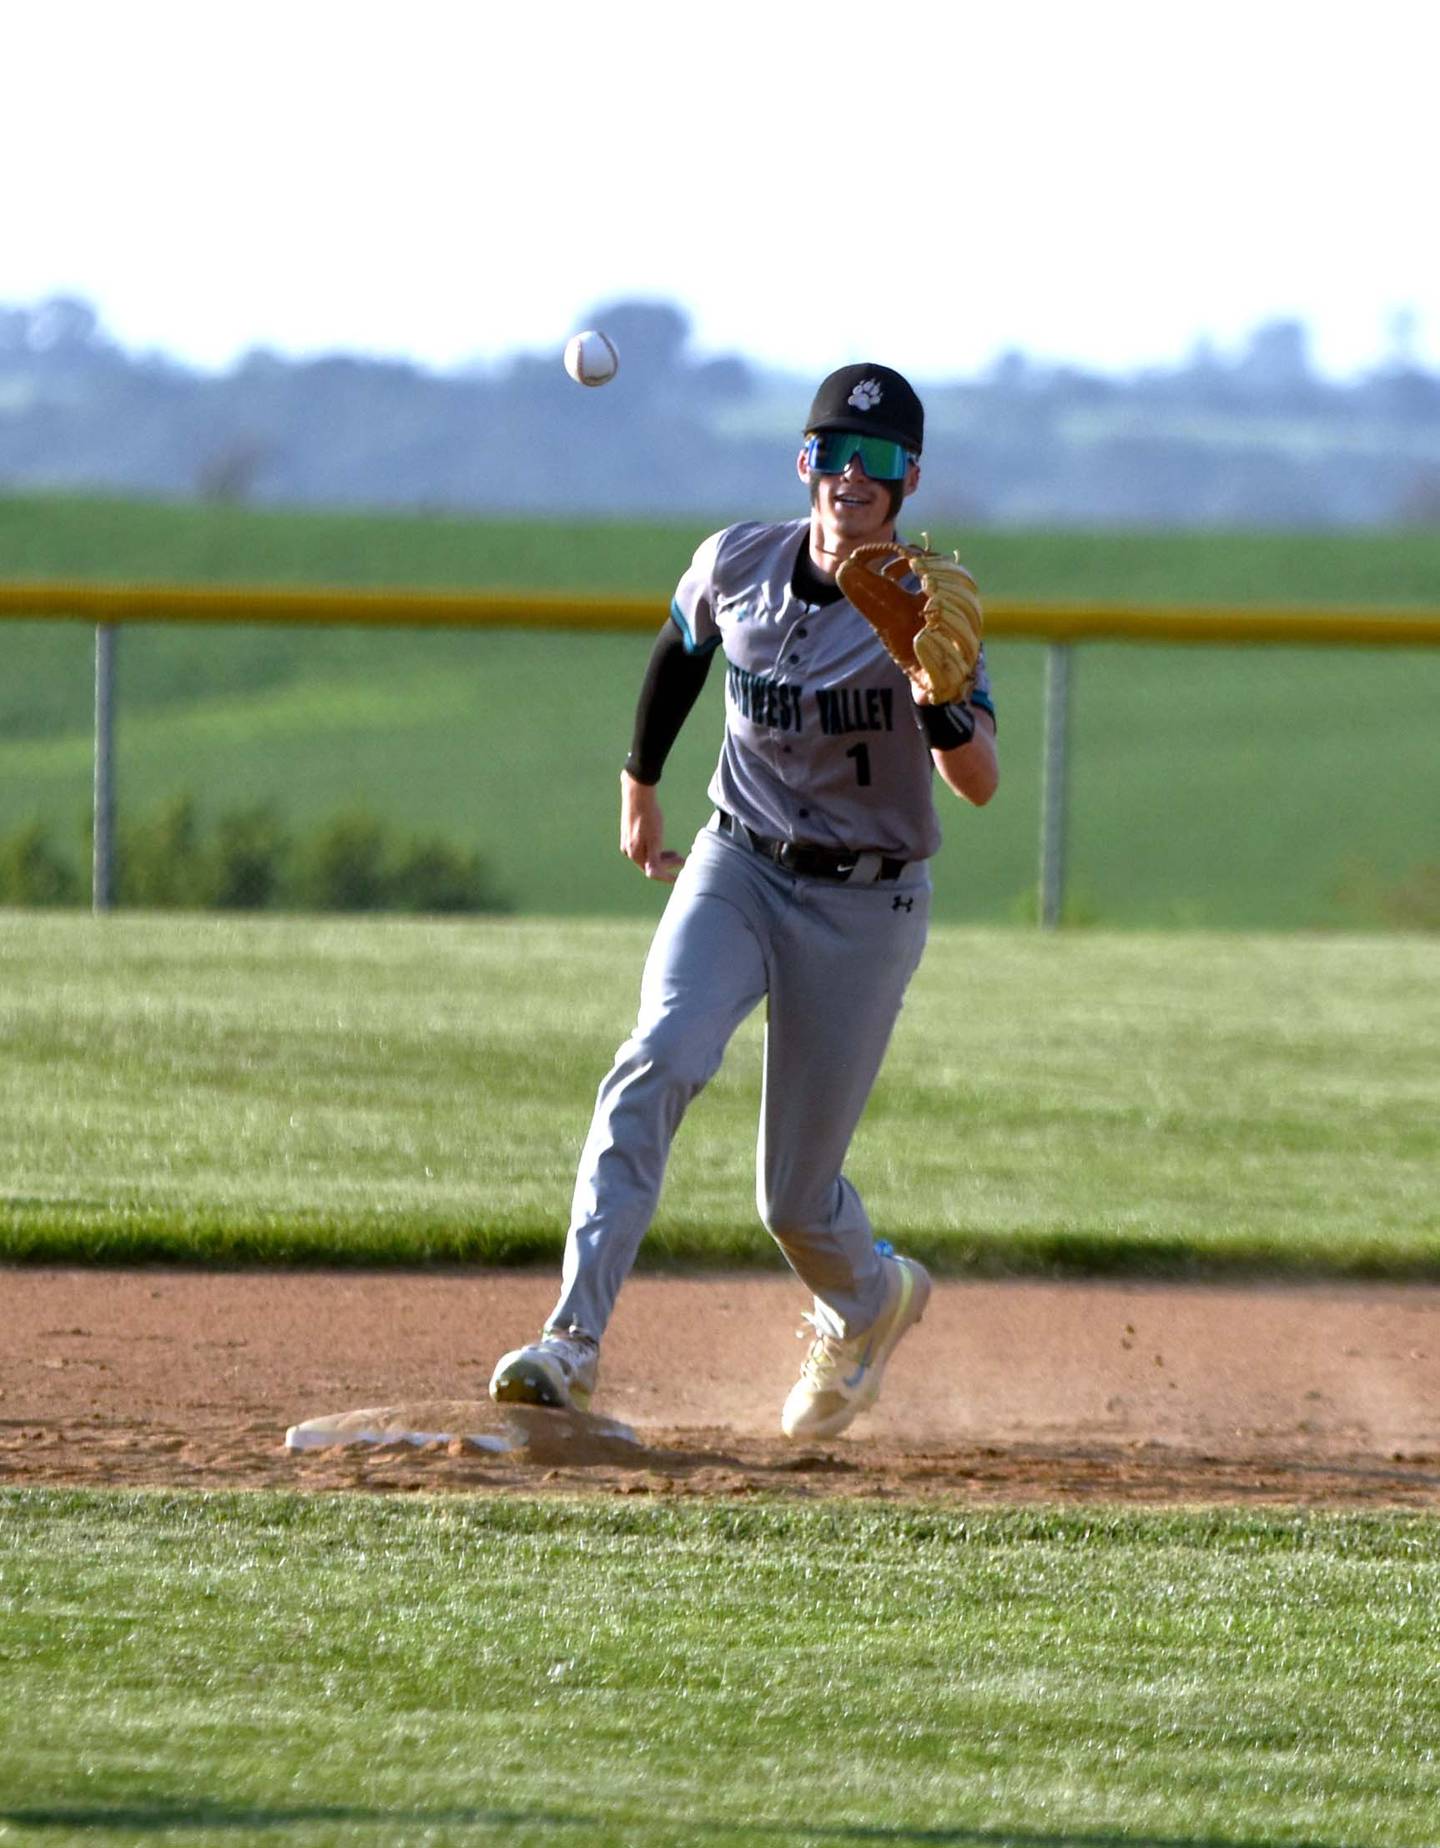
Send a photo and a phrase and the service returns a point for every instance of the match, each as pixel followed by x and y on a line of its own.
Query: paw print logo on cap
pixel 866 395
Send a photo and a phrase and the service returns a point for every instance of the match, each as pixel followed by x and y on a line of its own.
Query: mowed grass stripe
pixel 458 1669
pixel 395 1091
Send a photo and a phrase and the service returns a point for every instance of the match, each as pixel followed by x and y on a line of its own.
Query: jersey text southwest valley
pixel 779 705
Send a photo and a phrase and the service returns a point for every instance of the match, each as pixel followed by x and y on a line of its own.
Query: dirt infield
pixel 1324 1395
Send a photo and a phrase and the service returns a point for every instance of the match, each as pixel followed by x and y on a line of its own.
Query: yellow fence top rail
pixel 401 608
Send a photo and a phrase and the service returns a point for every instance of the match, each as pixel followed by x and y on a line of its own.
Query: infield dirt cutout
pixel 1323 1394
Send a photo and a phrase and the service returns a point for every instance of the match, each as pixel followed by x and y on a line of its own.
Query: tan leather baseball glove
pixel 934 630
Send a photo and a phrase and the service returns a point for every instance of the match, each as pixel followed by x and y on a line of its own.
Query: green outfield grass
pixel 330 1670
pixel 391 1091
pixel 1266 789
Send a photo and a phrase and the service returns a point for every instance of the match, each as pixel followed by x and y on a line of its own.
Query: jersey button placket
pixel 791 658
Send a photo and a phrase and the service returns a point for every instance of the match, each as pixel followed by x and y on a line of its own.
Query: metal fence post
pixel 1055 788
pixel 102 863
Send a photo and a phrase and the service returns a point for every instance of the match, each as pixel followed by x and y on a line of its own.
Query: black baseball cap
pixel 874 400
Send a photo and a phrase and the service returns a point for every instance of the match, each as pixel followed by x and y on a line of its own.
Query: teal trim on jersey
pixel 677 616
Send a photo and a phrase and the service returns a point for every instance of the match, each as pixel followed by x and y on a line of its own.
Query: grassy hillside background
pixel 1239 788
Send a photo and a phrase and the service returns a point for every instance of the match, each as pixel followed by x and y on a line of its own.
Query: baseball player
pixel 808 889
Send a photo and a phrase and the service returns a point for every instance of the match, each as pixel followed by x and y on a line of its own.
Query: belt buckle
pixel 814 862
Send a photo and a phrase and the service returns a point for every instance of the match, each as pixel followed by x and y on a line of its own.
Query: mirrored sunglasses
pixel 831 451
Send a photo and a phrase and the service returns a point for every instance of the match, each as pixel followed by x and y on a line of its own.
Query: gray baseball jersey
pixel 823 742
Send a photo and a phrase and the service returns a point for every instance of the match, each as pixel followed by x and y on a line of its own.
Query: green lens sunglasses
pixel 831 451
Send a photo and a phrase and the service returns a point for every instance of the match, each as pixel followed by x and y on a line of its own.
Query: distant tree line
pixel 1255 439
pixel 249 860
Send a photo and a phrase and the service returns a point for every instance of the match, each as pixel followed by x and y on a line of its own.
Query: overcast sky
pixel 1103 183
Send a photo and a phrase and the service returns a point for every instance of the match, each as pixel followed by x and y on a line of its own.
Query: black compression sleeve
pixel 671 687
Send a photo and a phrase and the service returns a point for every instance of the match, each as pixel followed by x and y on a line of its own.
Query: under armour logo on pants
pixel 903 904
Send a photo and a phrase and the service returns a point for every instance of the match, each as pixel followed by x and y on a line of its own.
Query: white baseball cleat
pixel 840 1379
pixel 557 1371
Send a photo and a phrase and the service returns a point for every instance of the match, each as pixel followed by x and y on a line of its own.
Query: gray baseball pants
pixel 833 961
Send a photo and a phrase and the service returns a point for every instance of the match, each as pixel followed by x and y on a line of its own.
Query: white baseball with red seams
pixel 591 358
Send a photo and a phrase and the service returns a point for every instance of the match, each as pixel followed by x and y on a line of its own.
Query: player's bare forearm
pixel 642 831
pixel 972 770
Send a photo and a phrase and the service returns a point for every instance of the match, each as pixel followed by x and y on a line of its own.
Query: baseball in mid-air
pixel 591 359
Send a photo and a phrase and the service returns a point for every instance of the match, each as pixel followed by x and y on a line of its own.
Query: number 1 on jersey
pixel 861 754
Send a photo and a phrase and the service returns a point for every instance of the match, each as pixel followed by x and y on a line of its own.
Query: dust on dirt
pixel 1009 1391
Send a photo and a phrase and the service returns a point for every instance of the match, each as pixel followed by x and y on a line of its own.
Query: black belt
pixel 800 857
